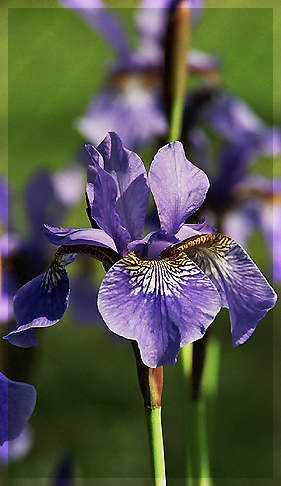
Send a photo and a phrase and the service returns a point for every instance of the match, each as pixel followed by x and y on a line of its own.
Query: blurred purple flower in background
pixel 163 290
pixel 17 400
pixel 239 201
pixel 64 472
pixel 5 303
pixel 45 198
pixel 244 137
pixel 133 103
pixel 18 448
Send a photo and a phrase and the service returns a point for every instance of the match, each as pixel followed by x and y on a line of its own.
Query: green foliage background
pixel 88 402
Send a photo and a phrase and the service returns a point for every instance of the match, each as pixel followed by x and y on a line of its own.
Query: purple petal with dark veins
pixel 42 302
pixel 242 287
pixel 162 304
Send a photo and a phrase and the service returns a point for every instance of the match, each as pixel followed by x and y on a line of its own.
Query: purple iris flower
pixel 164 290
pixel 17 402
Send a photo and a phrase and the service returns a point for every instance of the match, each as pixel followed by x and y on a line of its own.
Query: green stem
pixel 200 367
pixel 198 463
pixel 155 438
pixel 151 384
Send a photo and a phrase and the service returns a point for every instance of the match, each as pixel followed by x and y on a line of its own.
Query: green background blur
pixel 88 401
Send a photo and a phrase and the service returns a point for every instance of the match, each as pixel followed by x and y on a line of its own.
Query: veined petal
pixel 41 302
pixel 162 304
pixel 102 195
pixel 17 402
pixel 89 236
pixel 242 287
pixel 129 173
pixel 179 188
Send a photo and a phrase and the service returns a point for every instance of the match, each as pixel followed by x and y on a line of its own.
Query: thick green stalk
pixel 151 384
pixel 200 366
pixel 198 456
pixel 155 438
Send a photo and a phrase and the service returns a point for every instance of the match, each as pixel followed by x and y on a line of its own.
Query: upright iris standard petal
pixel 242 287
pixel 17 402
pixel 42 302
pixel 102 194
pixel 129 173
pixel 179 188
pixel 162 304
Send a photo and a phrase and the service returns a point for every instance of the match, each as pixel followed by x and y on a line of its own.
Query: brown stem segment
pixel 104 254
pixel 150 381
pixel 176 47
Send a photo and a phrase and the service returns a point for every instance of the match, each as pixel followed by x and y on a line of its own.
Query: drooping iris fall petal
pixel 159 304
pixel 242 287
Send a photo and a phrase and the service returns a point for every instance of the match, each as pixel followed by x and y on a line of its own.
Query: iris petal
pixel 129 173
pixel 162 304
pixel 17 401
pixel 102 195
pixel 89 236
pixel 179 188
pixel 41 302
pixel 242 287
